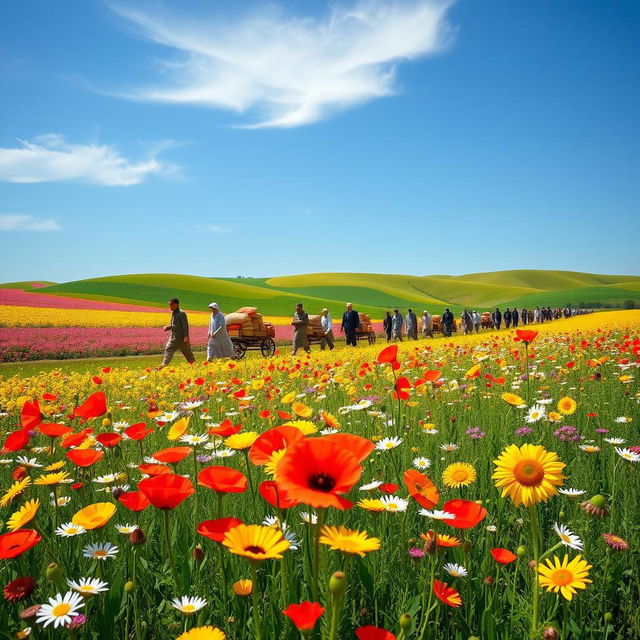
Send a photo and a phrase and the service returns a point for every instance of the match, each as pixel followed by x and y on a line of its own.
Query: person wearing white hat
pixel 327 330
pixel 219 344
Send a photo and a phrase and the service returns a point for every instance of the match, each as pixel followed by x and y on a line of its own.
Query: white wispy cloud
pixel 20 222
pixel 290 70
pixel 216 228
pixel 49 158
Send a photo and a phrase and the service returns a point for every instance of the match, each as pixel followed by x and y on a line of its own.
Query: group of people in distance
pixel 219 344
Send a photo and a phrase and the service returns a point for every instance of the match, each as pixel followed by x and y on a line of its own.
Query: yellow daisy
pixel 203 633
pixel 15 490
pixel 241 440
pixel 371 504
pixel 567 405
pixel 564 576
pixel 256 542
pixel 51 478
pixel 25 514
pixel 349 541
pixel 459 474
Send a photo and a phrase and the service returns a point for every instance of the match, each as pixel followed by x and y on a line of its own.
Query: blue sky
pixel 251 138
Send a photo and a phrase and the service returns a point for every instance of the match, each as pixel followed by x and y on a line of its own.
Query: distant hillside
pixel 369 292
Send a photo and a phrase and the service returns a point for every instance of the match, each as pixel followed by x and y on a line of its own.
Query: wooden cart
pixel 368 335
pixel 241 345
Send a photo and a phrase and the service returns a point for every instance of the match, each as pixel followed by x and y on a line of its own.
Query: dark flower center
pixel 322 482
pixel 252 548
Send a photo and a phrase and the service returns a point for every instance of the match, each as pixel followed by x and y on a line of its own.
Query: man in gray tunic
pixel 300 325
pixel 179 339
pixel 396 325
pixel 412 325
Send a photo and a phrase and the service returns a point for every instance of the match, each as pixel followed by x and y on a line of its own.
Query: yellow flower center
pixel 529 472
pixel 562 577
pixel 99 554
pixel 188 608
pixel 460 475
pixel 61 609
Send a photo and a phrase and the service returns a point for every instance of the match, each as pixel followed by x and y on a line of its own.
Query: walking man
pixel 386 325
pixel 447 323
pixel 179 338
pixel 412 325
pixel 300 325
pixel 350 323
pixel 327 330
pixel 514 317
pixel 507 318
pixel 476 320
pixel 396 325
pixel 497 318
pixel 427 328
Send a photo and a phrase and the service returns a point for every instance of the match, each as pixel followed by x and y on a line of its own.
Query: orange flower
pixel 503 556
pixel 93 407
pixel 271 441
pixel 54 430
pixel 421 489
pixel 166 491
pixel 388 354
pixel 222 479
pixel 467 513
pixel 172 455
pixel 526 335
pixel 446 594
pixel 304 615
pixel 84 457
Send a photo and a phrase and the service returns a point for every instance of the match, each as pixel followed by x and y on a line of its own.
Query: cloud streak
pixel 20 222
pixel 49 158
pixel 288 70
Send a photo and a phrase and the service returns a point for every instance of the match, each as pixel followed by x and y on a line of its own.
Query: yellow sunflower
pixel 15 490
pixel 528 474
pixel 25 514
pixel 564 576
pixel 256 542
pixel 459 474
pixel 567 405
pixel 348 540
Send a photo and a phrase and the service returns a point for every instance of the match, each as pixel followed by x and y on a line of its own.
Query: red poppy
pixel 374 633
pixel 97 380
pixel 93 407
pixel 388 487
pixel 284 415
pixel 432 376
pixel 446 594
pixel 134 500
pixel 84 457
pixel 316 471
pixel 54 430
pixel 109 440
pixel 172 455
pixel 49 397
pixel 150 469
pixel 271 441
pixel 19 589
pixel 400 386
pixel 225 429
pixel 304 615
pixel 223 479
pixel 467 513
pixel 16 441
pixel 526 335
pixel 388 354
pixel 359 447
pixel 138 431
pixel 216 529
pixel 74 439
pixel 30 415
pixel 421 489
pixel 503 556
pixel 166 491
pixel 276 497
pixel 14 543
pixel 265 414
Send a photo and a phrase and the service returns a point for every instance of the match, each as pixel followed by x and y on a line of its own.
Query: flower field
pixel 484 486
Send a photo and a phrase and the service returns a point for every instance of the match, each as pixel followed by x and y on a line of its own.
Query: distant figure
pixel 514 317
pixel 497 318
pixel 523 315
pixel 427 326
pixel 327 330
pixel 396 325
pixel 412 325
pixel 447 323
pixel 350 324
pixel 386 325
pixel 300 325
pixel 507 318
pixel 179 340
pixel 475 316
pixel 219 344
pixel 467 322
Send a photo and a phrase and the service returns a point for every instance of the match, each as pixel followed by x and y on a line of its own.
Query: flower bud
pixel 129 587
pixel 550 633
pixel 338 584
pixel 198 553
pixel 53 572
pixel 243 587
pixel 466 546
pixel 431 545
pixel 521 551
pixel 106 422
pixel 405 622
pixel 137 537
pixel 489 581
pixel 608 617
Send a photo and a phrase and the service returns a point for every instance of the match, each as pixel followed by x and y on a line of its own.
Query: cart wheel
pixel 268 347
pixel 372 338
pixel 239 349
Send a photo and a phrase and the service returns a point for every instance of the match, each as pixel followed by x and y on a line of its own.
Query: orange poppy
pixel 304 615
pixel 216 529
pixel 399 389
pixel 359 447
pixel 225 429
pixel 432 375
pixel 421 489
pixel 16 441
pixel 30 415
pixel 388 354
pixel 84 457
pixel 172 455
pixel 316 471
pixel 138 431
pixel 109 440
pixel 166 491
pixel 150 469
pixel 271 441
pixel 284 415
pixel 54 430
pixel 14 543
pixel 503 556
pixel 467 513
pixel 93 407
pixel 446 594
pixel 134 500
pixel 222 479
pixel 74 439
pixel 526 335
pixel 275 496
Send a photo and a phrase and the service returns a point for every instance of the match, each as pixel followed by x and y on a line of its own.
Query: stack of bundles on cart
pixel 315 327
pixel 248 323
pixel 365 323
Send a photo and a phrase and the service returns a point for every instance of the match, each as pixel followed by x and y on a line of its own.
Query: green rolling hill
pixel 369 292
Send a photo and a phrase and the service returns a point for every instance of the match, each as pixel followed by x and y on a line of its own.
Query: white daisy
pixel 535 413
pixel 455 570
pixel 615 440
pixel 567 538
pixel 572 493
pixel 69 530
pixel 371 486
pixel 421 463
pixel 449 446
pixel 29 463
pixel 62 501
pixel 194 439
pixel 623 419
pixel 393 503
pixel 188 604
pixel 100 551
pixel 309 518
pixel 126 529
pixel 88 586
pixel 388 443
pixel 627 454
pixel 60 610
pixel 437 514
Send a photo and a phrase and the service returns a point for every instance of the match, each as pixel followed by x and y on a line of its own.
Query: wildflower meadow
pixel 481 486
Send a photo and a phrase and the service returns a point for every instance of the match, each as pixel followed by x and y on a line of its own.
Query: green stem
pixel 315 567
pixel 255 600
pixel 536 556
pixel 167 537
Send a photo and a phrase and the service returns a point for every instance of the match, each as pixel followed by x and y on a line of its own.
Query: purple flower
pixel 416 553
pixel 474 433
pixel 602 430
pixel 524 431
pixel 567 434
